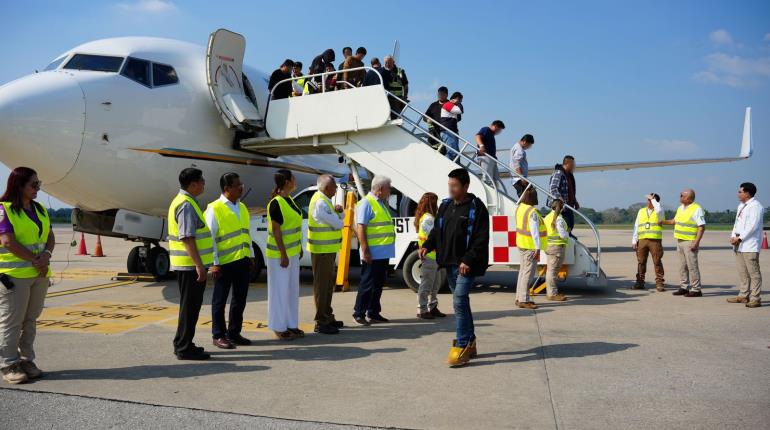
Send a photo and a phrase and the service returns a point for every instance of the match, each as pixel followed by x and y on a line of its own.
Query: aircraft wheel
pixel 158 262
pixel 134 260
pixel 410 272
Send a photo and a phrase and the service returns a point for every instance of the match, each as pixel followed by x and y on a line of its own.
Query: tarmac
pixel 608 358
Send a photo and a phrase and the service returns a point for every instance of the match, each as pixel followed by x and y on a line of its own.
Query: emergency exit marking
pixel 104 317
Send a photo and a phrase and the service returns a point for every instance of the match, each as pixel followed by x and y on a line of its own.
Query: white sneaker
pixel 14 374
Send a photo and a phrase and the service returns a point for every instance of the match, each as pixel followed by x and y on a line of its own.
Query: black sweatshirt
pixel 449 242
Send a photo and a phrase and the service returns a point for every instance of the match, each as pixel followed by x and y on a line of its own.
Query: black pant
pixel 569 218
pixel 519 186
pixel 190 301
pixel 370 289
pixel 235 274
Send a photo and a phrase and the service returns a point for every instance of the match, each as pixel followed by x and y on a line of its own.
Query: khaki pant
pixel 527 268
pixel 555 258
pixel 652 247
pixel 427 293
pixel 749 274
pixel 324 280
pixel 19 309
pixel 689 273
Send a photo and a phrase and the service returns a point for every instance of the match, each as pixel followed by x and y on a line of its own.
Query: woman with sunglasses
pixel 26 244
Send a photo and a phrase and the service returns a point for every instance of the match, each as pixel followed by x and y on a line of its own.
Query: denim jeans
pixel 370 289
pixel 460 286
pixel 453 142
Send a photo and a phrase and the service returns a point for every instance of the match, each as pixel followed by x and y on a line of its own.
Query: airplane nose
pixel 42 118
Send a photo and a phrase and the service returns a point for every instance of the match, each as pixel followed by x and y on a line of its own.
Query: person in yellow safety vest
pixel 397 83
pixel 298 86
pixel 324 240
pixel 530 239
pixel 283 252
pixel 427 293
pixel 648 240
pixel 228 219
pixel 557 239
pixel 26 244
pixel 191 249
pixel 376 239
pixel 689 224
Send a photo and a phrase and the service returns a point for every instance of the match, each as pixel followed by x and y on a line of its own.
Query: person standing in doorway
pixel 228 220
pixel 26 245
pixel 191 250
pixel 689 225
pixel 745 239
pixel 460 239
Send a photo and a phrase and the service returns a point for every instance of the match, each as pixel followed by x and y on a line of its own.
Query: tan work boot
pixel 472 349
pixel 458 356
pixel 660 288
pixel 557 298
pixel 32 371
pixel 737 299
pixel 13 374
pixel 526 305
pixel 754 304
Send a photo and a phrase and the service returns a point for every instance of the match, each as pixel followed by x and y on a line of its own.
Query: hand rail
pixel 504 166
pixel 323 80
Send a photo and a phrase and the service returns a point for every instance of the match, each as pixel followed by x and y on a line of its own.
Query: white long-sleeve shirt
pixel 561 228
pixel 321 213
pixel 534 228
pixel 748 225
pixel 658 211
pixel 211 220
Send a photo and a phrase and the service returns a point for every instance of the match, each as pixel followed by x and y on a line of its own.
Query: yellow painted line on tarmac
pixel 87 289
pixel 104 317
pixel 79 274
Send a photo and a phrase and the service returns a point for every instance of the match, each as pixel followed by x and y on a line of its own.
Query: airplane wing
pixel 747 147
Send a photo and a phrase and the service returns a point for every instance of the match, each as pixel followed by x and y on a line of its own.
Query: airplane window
pixel 98 63
pixel 137 70
pixel 163 75
pixel 55 63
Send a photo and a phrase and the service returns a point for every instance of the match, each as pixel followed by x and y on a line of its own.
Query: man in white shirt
pixel 648 239
pixel 519 163
pixel 689 225
pixel 745 238
pixel 228 220
pixel 324 241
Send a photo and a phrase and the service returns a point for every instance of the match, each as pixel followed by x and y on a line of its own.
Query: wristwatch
pixel 48 251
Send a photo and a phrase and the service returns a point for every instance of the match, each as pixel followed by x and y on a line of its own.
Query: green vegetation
pixel 617 217
pixel 60 216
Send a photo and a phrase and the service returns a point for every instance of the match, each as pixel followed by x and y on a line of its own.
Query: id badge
pixel 647 226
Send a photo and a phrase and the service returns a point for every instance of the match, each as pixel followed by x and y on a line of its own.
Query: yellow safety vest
pixel 685 228
pixel 233 240
pixel 422 236
pixel 178 256
pixel 380 230
pixel 322 238
pixel 301 82
pixel 291 230
pixel 648 226
pixel 553 234
pixel 396 86
pixel 25 232
pixel 523 234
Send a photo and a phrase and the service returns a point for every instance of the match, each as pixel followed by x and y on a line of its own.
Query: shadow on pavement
pixel 135 373
pixel 562 350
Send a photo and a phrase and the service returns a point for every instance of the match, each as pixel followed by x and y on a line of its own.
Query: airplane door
pixel 224 69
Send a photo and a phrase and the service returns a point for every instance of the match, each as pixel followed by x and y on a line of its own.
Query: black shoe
pixel 378 319
pixel 238 339
pixel 361 320
pixel 638 286
pixel 193 355
pixel 338 324
pixel 694 294
pixel 326 329
pixel 198 349
pixel 425 316
pixel 437 313
pixel 680 292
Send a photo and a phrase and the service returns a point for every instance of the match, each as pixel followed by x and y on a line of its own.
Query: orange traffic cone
pixel 98 251
pixel 82 248
pixel 764 240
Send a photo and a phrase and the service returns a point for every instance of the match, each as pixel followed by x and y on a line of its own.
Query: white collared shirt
pixel 534 228
pixel 322 214
pixel 748 225
pixel 658 211
pixel 211 220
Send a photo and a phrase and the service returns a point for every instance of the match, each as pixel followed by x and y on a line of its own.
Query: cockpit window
pixel 97 63
pixel 137 70
pixel 55 63
pixel 163 75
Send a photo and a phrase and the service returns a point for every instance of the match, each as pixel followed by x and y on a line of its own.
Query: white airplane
pixel 110 123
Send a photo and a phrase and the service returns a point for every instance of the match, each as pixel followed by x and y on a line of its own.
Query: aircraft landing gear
pixel 149 259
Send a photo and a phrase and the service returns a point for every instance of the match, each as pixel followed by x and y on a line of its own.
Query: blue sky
pixel 604 81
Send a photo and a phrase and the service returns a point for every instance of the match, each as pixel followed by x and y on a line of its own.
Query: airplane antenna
pixel 396 51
